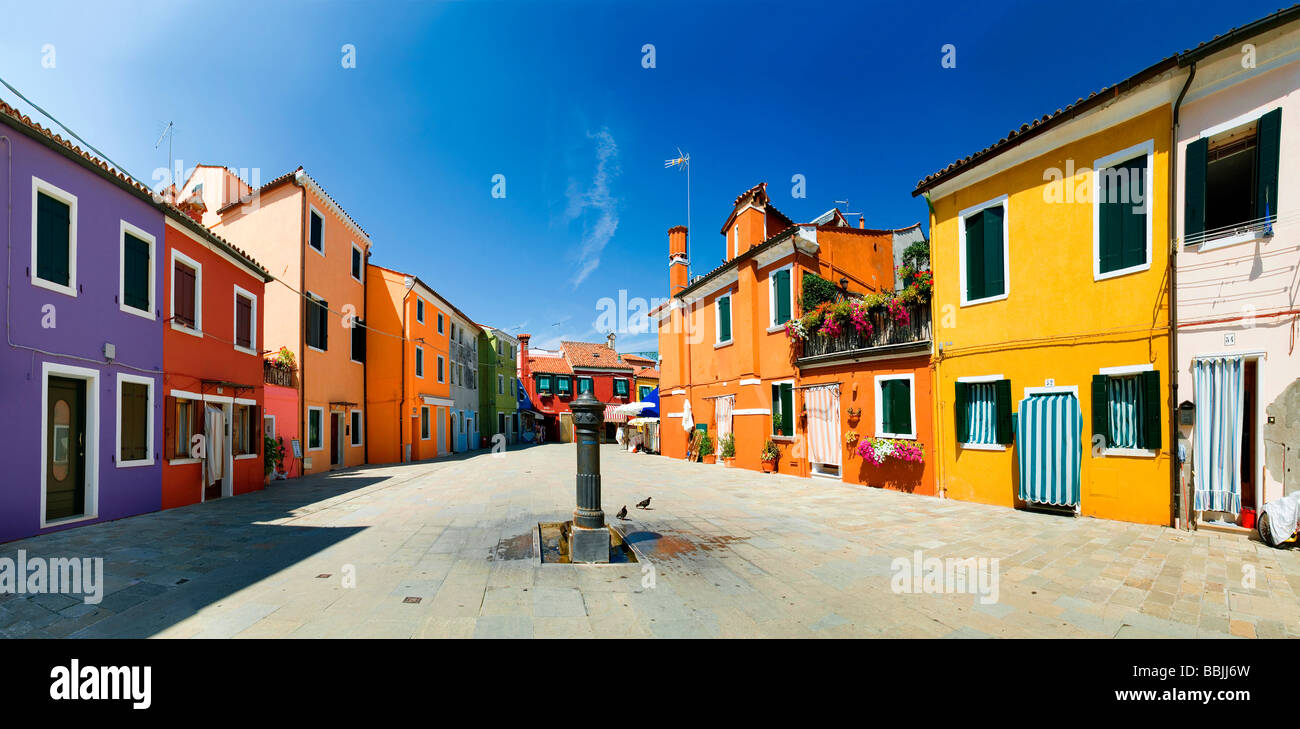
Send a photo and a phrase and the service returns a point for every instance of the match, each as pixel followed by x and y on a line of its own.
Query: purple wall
pixel 83 324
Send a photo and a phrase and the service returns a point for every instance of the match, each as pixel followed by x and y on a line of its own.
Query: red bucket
pixel 1248 518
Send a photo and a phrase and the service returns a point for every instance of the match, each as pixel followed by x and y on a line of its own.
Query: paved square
pixel 729 553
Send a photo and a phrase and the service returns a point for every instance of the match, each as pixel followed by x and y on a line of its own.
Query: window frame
pixel 254 441
pixel 40 186
pixel 426 418
pixel 252 322
pixel 1124 155
pixel 418 361
pixel 441 330
pixel 1127 371
pixel 577 385
pixel 568 380
pixel 361 260
pixel 964 288
pixel 419 309
pixel 771 297
pixel 501 384
pixel 880 431
pixel 315 409
pixel 312 298
pixel 718 341
pixel 548 379
pixel 357 422
pixel 982 380
pixel 149 383
pixel 311 210
pixel 138 232
pixel 442 370
pixel 627 387
pixel 197 331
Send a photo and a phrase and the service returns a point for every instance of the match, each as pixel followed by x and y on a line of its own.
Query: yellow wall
pixel 1057 322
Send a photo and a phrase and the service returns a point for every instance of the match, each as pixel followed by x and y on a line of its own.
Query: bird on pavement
pixel 622 513
pixel 644 504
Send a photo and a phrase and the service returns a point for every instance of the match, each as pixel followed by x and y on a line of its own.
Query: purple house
pixel 80 372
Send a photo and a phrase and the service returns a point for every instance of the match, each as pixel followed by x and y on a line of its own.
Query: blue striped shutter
pixel 1049 431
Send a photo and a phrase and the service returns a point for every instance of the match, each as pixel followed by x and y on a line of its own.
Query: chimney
pixel 677 260
pixel 610 340
pixel 862 223
pixel 524 371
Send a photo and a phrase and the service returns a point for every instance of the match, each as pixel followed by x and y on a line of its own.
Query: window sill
pixel 775 329
pixel 244 350
pixel 135 464
pixel 187 330
pixel 783 438
pixel 720 345
pixel 317 349
pixel 56 288
pixel 982 446
pixel 1249 236
pixel 245 456
pixel 143 314
pixel 897 436
pixel 1098 275
pixel 1129 452
pixel 185 461
pixel 986 300
pixel 68 520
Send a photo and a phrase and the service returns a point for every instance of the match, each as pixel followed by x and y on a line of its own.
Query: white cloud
pixel 597 199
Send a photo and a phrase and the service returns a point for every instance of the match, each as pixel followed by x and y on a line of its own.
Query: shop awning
pixel 612 414
pixel 1049 444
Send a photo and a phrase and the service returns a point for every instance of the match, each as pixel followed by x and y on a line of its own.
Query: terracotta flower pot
pixel 729 462
pixel 710 458
pixel 769 466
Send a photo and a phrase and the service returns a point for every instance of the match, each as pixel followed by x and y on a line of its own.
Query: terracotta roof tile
pixel 592 354
pixel 549 365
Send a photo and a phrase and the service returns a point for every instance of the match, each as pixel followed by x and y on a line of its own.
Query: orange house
pixel 408 375
pixel 212 364
pixel 318 255
pixel 725 351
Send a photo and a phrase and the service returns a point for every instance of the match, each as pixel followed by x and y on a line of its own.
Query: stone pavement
pixel 442 549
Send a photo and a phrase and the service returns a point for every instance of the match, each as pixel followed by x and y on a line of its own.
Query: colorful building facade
pixel 553 378
pixel 498 353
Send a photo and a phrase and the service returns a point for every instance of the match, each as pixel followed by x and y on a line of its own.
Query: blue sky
pixel 554 97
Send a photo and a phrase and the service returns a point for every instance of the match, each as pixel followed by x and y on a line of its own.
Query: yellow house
pixel 1051 312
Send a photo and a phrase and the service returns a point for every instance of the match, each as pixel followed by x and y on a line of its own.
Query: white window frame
pixel 91 376
pixel 442 370
pixel 140 233
pixel 880 402
pixel 419 309
pixel 357 421
pixel 718 341
pixel 419 361
pixel 440 323
pixel 426 423
pixel 1004 201
pixel 794 429
pixel 234 322
pixel 501 385
pixel 198 294
pixel 149 424
pixel 1126 371
pixel 626 381
pixel 1124 155
pixel 313 211
pixel 274 428
pixel 771 297
pixel 358 249
pixel 310 410
pixel 58 193
pixel 256 444
pixel 577 384
pixel 981 380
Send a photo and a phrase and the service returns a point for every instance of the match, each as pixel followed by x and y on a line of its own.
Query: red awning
pixel 613 417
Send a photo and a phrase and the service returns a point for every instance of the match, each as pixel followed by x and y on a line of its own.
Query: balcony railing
pixel 273 375
pixel 886 334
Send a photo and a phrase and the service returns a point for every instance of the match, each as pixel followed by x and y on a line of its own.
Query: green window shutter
pixel 313 336
pixel 1002 400
pixel 323 309
pixel 787 406
pixel 358 341
pixel 1194 188
pixel 781 286
pixel 1268 150
pixel 724 319
pixel 1152 410
pixel 959 411
pixel 994 285
pixel 135 272
pixel 901 403
pixel 1110 230
pixel 975 257
pixel 1101 407
pixel 887 406
pixel 53 235
pixel 1134 247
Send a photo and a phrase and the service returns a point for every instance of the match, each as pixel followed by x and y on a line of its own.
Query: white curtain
pixel 214 462
pixel 687 421
pixel 722 408
pixel 823 405
pixel 1218 385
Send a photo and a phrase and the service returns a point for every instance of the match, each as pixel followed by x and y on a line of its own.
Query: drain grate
pixel 322 576
pixel 413 600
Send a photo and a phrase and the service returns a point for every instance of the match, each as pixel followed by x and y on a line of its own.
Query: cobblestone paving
pixel 734 554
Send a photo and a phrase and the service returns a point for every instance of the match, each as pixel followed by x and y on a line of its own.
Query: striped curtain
pixel 1216 472
pixel 1126 411
pixel 1049 437
pixel 982 414
pixel 823 404
pixel 722 408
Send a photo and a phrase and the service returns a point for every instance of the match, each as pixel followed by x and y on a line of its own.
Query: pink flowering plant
pixel 876 450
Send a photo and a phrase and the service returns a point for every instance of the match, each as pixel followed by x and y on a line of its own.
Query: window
pixel 54 238
pixel 1126 408
pixel 440 322
pixel 783 408
pixel 315 429
pixel 723 317
pixel 358 341
pixel 316 236
pixel 983 411
pixel 501 385
pixel 424 422
pixel 1121 223
pixel 358 261
pixel 187 420
pixel 134 421
pixel 317 322
pixel 620 388
pixel 501 422
pixel 419 310
pixel 245 321
pixel 136 282
pixel 268 426
pixel 442 365
pixel 584 385
pixel 643 392
pixel 187 294
pixel 780 295
pixel 1231 179
pixel 419 361
pixel 895 407
pixel 983 252
pixel 356 427
pixel 562 385
pixel 544 384
pixel 244 430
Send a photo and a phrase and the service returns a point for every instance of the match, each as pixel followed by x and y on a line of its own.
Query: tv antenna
pixel 845 203
pixel 169 133
pixel 683 160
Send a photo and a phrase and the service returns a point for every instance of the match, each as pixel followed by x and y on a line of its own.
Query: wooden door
pixel 65 448
pixel 336 440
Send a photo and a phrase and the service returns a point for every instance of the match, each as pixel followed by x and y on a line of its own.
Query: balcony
pixel 273 375
pixel 887 337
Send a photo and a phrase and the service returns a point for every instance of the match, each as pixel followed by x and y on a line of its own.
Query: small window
pixel 440 330
pixel 186 423
pixel 358 341
pixel 1126 410
pixel 783 408
pixel 356 427
pixel 244 430
pixel 187 297
pixel 781 295
pixel 1121 209
pixel 419 310
pixel 584 385
pixel 317 233
pixel 136 295
pixel 983 411
pixel 315 429
pixel 358 261
pixel 544 384
pixel 442 365
pixel 317 322
pixel 419 361
pixel 245 321
pixel 135 421
pixel 620 388
pixel 983 254
pixel 424 422
pixel 563 385
pixel 723 307
pixel 643 393
pixel 501 385
pixel 895 413
pixel 54 238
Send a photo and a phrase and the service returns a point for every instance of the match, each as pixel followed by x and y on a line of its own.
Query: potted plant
pixel 272 457
pixel 729 450
pixel 706 449
pixel 769 455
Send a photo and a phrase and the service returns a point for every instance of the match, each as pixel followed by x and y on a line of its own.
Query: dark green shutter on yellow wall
pixel 1002 399
pixel 1153 410
pixel 975 257
pixel 1122 218
pixel 959 411
pixel 1269 151
pixel 53 232
pixel 724 319
pixel 984 263
pixel 1198 153
pixel 781 286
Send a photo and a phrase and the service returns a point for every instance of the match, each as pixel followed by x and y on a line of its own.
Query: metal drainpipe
pixel 1182 513
pixel 401 397
pixel 365 363
pixel 302 329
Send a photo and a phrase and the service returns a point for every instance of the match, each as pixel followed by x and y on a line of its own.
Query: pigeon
pixel 622 513
pixel 644 504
